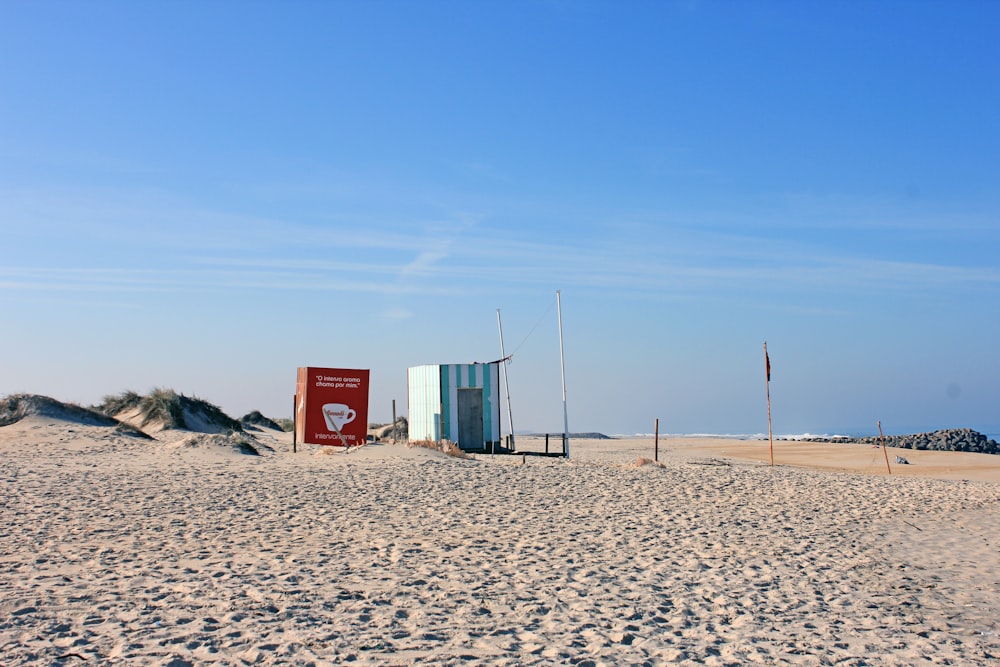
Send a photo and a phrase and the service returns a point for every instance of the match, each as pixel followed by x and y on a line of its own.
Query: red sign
pixel 331 406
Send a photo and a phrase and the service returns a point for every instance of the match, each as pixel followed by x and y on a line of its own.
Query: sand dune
pixel 119 551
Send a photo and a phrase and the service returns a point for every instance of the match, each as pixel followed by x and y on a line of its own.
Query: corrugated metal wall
pixel 433 390
pixel 424 389
pixel 471 376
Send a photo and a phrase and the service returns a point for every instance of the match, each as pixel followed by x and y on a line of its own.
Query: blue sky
pixel 207 195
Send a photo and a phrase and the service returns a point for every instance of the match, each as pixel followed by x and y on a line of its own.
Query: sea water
pixel 991 432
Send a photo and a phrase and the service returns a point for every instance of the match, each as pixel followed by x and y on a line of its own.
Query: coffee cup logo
pixel 337 415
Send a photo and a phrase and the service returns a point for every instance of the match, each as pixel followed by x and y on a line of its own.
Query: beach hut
pixel 457 402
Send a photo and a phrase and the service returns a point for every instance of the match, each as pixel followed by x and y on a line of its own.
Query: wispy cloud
pixel 424 264
pixel 507 264
pixel 397 313
pixel 180 247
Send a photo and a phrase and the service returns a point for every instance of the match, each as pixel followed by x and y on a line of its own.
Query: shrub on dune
pixel 170 410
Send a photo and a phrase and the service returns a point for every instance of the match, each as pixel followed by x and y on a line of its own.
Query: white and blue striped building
pixel 457 402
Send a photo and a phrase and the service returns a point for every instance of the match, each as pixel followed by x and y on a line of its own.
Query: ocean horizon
pixel 993 433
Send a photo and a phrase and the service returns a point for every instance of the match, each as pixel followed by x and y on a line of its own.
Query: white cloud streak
pixel 191 249
pixel 511 266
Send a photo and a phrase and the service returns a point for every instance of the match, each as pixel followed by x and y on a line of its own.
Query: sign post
pixel 332 407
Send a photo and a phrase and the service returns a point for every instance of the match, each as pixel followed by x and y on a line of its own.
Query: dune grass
pixel 166 406
pixel 286 424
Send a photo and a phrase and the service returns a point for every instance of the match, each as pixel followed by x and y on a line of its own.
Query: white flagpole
pixel 506 387
pixel 562 361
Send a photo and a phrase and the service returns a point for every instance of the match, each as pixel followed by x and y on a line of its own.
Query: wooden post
pixel 767 382
pixel 546 443
pixel 656 441
pixel 882 438
pixel 394 421
pixel 295 425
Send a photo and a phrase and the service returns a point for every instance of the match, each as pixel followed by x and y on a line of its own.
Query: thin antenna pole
pixel 770 436
pixel 562 362
pixel 506 387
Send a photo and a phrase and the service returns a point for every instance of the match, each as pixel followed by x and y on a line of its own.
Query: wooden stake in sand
pixel 656 441
pixel 767 384
pixel 882 439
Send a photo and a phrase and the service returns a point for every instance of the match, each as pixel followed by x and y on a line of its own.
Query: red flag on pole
pixel 770 435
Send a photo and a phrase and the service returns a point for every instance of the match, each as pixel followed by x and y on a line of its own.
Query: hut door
pixel 470 419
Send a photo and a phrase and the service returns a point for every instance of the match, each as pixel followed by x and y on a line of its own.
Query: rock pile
pixel 946 440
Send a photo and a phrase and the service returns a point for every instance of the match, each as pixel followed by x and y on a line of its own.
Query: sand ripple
pixel 115 555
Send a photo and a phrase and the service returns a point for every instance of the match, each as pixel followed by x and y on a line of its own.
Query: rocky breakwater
pixel 947 440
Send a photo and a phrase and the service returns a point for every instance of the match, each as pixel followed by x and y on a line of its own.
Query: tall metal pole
pixel 562 362
pixel 506 387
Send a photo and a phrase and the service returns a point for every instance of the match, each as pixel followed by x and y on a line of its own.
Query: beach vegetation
pixel 166 407
pixel 18 406
pixel 161 405
pixel 257 419
pixel 395 431
pixel 113 405
pixel 445 446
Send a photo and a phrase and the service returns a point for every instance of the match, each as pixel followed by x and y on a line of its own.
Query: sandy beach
pixel 185 551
